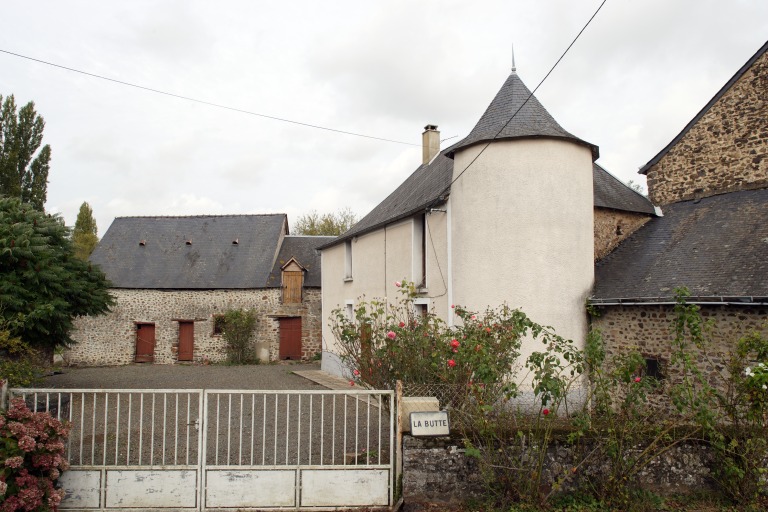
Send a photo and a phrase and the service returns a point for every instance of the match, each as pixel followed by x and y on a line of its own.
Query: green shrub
pixel 238 335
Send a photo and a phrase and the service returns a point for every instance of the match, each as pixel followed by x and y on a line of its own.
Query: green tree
pixel 43 286
pixel 84 236
pixel 23 173
pixel 327 224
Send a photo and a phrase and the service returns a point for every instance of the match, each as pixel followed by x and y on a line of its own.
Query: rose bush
pixel 31 459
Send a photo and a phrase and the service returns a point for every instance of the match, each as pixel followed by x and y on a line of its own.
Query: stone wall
pixel 613 226
pixel 650 330
pixel 726 150
pixel 111 339
pixel 438 475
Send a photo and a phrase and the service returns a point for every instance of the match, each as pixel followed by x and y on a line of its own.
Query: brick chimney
pixel 430 143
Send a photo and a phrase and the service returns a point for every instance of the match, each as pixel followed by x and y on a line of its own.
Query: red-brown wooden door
pixel 290 338
pixel 186 340
pixel 145 343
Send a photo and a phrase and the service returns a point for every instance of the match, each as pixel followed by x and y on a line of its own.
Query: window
pixel 218 325
pixel 349 310
pixel 421 307
pixel 420 250
pixel 653 368
pixel 348 260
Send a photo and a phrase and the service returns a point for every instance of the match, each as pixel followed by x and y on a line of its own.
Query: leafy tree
pixel 327 224
pixel 23 174
pixel 43 286
pixel 84 236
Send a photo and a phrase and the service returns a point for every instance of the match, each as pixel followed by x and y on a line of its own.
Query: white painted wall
pixel 522 231
pixel 374 276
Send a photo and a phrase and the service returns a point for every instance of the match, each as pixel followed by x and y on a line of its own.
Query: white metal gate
pixel 187 450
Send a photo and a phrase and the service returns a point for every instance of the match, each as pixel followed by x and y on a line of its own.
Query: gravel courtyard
pixel 183 376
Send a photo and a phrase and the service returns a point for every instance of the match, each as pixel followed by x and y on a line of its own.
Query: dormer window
pixel 293 282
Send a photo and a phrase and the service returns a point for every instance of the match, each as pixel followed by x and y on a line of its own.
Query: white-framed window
pixel 348 260
pixel 421 307
pixel 349 310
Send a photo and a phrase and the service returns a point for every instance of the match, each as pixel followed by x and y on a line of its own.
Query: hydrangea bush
pixel 31 458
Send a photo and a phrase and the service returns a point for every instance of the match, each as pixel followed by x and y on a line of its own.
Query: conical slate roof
pixel 516 113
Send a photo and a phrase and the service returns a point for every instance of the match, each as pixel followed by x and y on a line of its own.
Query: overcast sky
pixel 638 74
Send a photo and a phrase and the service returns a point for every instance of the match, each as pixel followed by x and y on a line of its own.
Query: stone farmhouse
pixel 711 182
pixel 519 213
pixel 174 278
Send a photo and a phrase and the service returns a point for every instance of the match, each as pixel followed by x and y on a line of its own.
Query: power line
pixel 446 189
pixel 203 102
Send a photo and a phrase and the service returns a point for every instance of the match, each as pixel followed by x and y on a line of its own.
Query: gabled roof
pixel 717 247
pixel 196 252
pixel 735 78
pixel 516 113
pixel 609 192
pixel 304 250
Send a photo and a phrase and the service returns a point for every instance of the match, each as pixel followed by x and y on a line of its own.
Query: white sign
pixel 429 424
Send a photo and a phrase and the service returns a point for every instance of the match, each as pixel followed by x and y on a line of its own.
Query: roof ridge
pixel 200 216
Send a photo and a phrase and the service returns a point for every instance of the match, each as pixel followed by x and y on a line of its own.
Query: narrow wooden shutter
pixel 292 284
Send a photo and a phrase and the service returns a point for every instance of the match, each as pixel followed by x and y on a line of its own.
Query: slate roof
pixel 717 247
pixel 426 187
pixel 735 78
pixel 515 113
pixel 609 192
pixel 304 249
pixel 212 261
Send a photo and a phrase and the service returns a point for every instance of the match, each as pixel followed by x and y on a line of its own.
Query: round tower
pixel 521 215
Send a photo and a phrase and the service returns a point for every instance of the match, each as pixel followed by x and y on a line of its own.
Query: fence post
pixel 399 437
pixel 3 394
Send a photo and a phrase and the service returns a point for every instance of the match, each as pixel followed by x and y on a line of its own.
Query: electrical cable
pixel 209 103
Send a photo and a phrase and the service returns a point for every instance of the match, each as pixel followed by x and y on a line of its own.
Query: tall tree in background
pixel 23 174
pixel 327 224
pixel 84 236
pixel 43 287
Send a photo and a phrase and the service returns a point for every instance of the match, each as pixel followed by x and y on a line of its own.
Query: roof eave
pixel 398 218
pixel 595 150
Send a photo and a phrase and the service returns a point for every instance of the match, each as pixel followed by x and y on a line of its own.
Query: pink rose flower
pixel 637 379
pixel 451 363
pixel 398 284
pixel 401 324
pixel 351 383
pixel 455 343
pixel 356 372
pixel 391 335
pixel 545 411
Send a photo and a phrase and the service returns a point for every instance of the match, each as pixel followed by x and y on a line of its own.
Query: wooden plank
pixel 250 488
pixel 151 489
pixel 83 488
pixel 344 488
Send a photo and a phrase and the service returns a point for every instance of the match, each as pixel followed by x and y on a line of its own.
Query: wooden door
pixel 290 338
pixel 145 343
pixel 186 341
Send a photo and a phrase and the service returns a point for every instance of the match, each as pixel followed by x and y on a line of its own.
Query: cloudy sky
pixel 638 74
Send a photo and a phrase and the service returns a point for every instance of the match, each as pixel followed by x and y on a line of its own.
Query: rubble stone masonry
pixel 111 339
pixel 650 330
pixel 613 226
pixel 725 151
